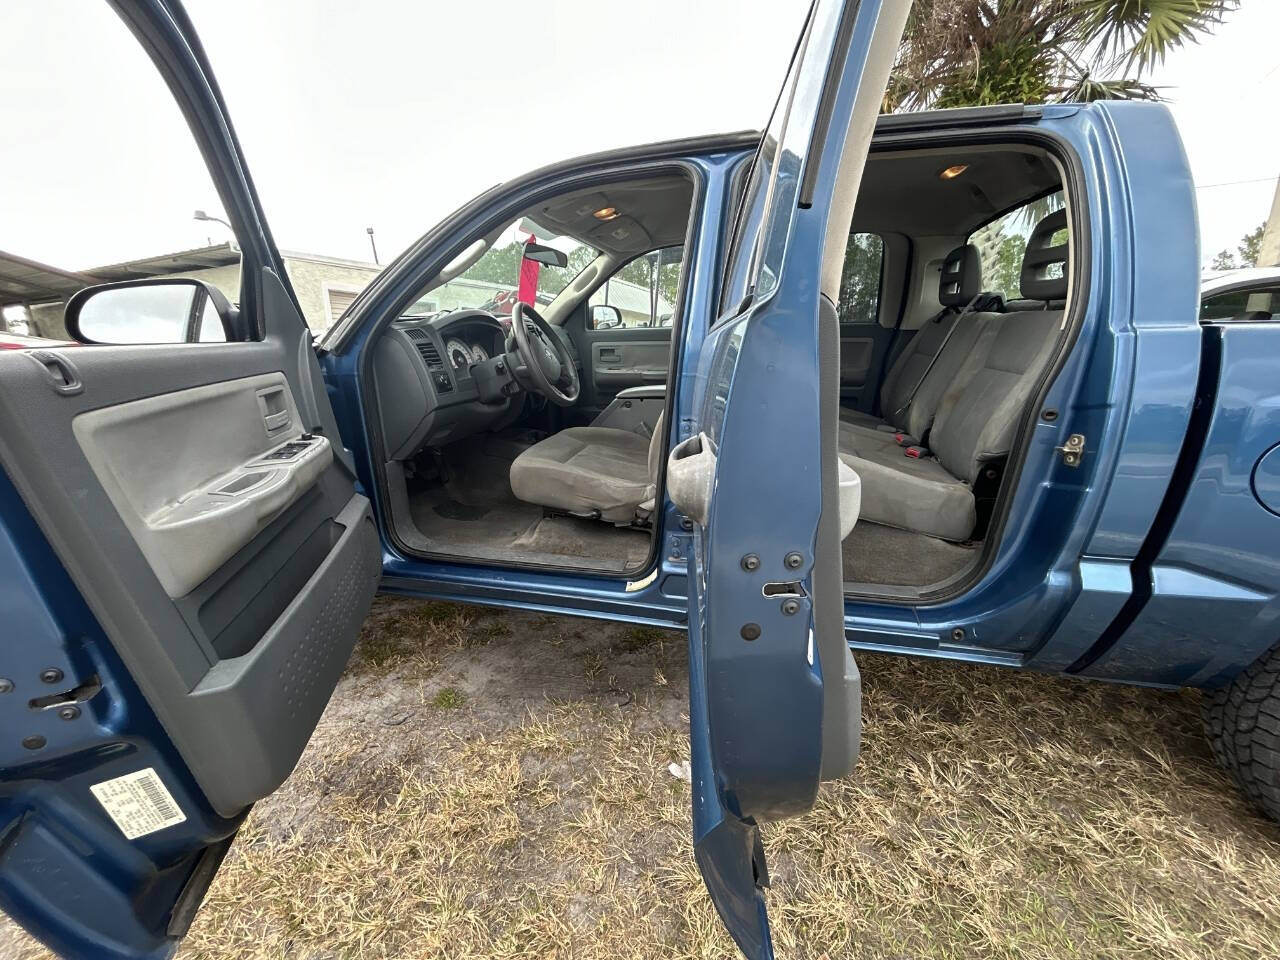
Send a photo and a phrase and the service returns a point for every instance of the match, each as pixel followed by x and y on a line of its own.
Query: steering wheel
pixel 545 359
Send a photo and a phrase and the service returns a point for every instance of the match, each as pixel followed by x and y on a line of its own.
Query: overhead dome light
pixel 605 213
pixel 954 171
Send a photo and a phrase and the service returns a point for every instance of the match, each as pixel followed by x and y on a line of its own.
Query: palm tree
pixel 968 52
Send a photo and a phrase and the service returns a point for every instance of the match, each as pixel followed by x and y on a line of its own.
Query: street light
pixel 201 215
pixel 374 246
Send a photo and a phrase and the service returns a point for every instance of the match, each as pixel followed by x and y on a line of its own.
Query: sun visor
pixel 531 226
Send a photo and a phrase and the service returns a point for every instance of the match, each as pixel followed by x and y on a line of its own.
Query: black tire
pixel 1242 722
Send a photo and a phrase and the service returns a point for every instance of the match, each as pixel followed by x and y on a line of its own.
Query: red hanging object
pixel 527 291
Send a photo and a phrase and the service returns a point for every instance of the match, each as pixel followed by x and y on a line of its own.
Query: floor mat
pixel 455 510
pixel 874 553
pixel 603 543
pixel 474 514
pixel 510 531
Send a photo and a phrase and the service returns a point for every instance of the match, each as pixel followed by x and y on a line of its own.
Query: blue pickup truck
pixel 943 384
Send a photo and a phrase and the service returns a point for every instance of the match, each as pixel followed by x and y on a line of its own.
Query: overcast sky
pixel 391 114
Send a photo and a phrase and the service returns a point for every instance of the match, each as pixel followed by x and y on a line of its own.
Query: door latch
pixel 1072 450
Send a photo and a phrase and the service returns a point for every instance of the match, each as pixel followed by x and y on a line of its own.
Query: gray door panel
pixel 855 361
pixel 616 360
pixel 192 500
pixel 618 363
pixel 238 634
pixel 862 354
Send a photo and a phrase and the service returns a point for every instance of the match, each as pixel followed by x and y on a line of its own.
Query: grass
pixel 392 636
pixel 449 699
pixel 993 815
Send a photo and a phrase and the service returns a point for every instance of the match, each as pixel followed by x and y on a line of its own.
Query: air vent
pixel 426 349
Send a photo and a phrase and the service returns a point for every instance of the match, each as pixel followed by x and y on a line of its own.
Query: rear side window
pixel 861 280
pixel 1002 243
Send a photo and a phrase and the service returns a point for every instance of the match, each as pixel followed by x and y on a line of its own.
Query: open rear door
pixel 775 694
pixel 184 567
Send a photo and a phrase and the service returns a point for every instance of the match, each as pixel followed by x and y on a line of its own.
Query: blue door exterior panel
pixel 724 847
pixel 1155 266
pixel 67 872
pixel 1215 583
pixel 775 695
pixel 1100 593
pixel 1195 630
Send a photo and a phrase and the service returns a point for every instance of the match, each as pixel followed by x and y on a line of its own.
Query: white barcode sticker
pixel 138 803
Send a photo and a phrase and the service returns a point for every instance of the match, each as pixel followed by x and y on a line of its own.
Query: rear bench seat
pixel 908 403
pixel 983 379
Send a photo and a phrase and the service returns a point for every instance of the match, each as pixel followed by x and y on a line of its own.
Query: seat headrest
pixel 961 278
pixel 1044 266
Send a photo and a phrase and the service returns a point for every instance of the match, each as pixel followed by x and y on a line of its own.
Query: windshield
pixel 493 282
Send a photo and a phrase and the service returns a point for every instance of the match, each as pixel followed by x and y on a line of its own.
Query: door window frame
pixel 402 283
pixel 159 30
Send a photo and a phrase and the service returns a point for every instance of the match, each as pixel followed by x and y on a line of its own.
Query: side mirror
pixel 154 310
pixel 605 317
pixel 541 253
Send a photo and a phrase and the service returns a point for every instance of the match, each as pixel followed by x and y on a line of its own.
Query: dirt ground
pixel 490 784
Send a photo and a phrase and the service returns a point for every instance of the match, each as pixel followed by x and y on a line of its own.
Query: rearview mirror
pixel 541 253
pixel 605 317
pixel 154 310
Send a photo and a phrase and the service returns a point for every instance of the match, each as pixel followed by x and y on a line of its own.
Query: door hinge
pixel 1072 450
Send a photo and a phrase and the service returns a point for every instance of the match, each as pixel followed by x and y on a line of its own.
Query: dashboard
pixel 462 339
pixel 426 379
pixel 442 377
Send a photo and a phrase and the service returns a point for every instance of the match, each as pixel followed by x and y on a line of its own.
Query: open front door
pixel 184 565
pixel 775 694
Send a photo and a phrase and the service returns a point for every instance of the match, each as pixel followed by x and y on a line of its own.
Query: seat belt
pixel 942 346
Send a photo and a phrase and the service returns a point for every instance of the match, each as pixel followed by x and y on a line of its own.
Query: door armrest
pixel 648 392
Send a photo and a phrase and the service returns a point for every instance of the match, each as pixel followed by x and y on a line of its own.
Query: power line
pixel 1232 183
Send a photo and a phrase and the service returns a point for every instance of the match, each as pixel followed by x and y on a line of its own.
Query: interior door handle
pixel 274 407
pixel 609 355
pixel 64 377
pixel 275 421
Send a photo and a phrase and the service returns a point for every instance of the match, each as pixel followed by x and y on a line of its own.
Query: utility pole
pixel 372 245
pixel 1269 246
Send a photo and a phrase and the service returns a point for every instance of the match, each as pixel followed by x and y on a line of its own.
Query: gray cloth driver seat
pixel 592 472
